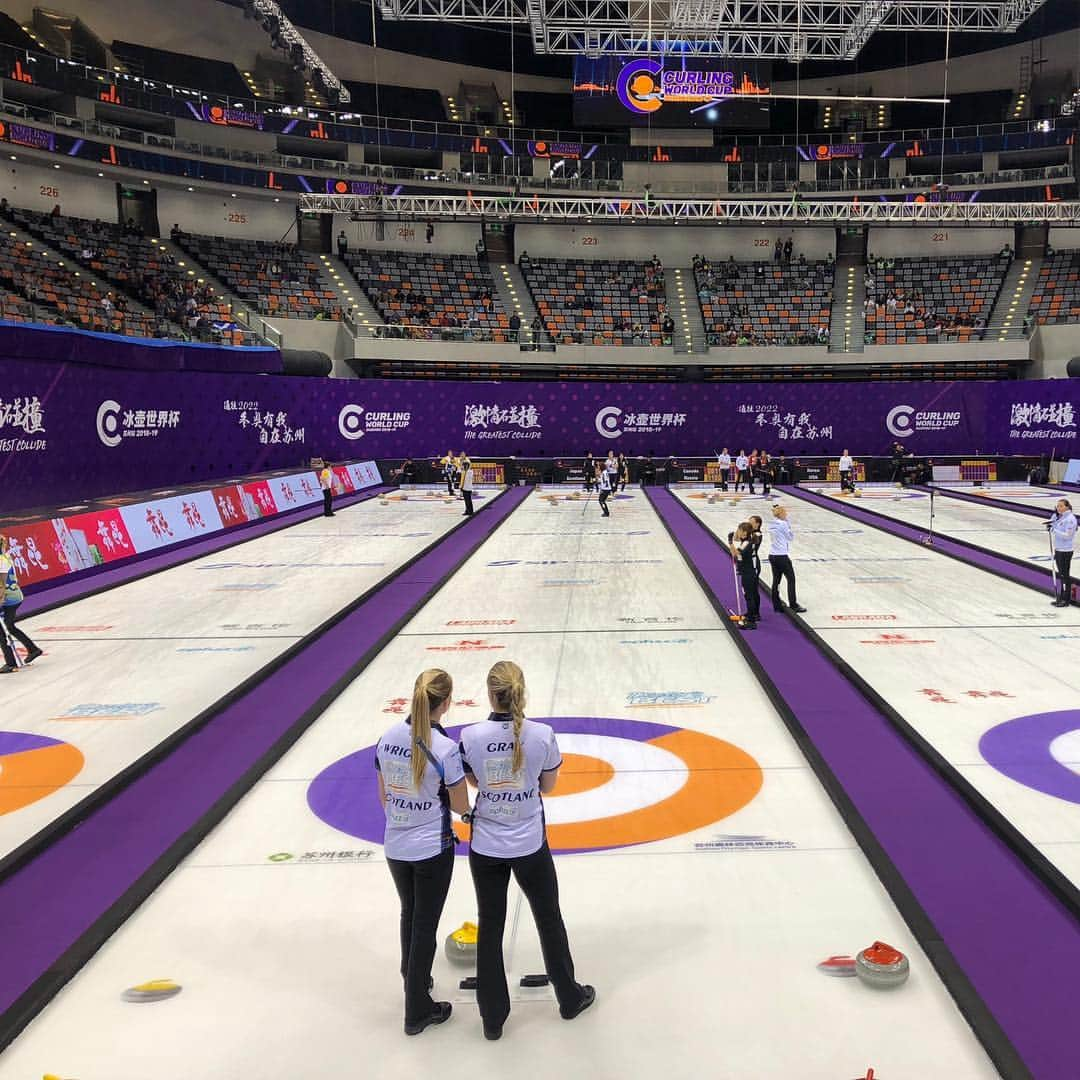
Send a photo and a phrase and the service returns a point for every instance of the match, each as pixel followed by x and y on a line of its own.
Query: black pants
pixel 723 478
pixel 467 496
pixel 764 478
pixel 746 478
pixel 327 503
pixel 846 483
pixel 749 580
pixel 422 887
pixel 603 496
pixel 13 632
pixel 535 874
pixel 1062 558
pixel 449 485
pixel 782 568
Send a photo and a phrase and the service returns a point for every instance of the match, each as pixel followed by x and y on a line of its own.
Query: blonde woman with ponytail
pixel 421 779
pixel 513 762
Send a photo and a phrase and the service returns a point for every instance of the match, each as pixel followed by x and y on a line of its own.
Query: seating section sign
pixel 52 548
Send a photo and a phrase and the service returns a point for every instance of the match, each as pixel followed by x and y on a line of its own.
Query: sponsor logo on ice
pixel 662 699
pixel 111 712
pixel 475 645
pixel 309 857
pixel 736 842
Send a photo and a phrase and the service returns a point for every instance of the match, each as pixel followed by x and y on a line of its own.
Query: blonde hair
pixel 776 508
pixel 432 688
pixel 506 685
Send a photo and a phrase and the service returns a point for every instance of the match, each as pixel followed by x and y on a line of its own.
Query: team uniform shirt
pixel 508 813
pixel 1063 530
pixel 417 819
pixel 746 551
pixel 467 479
pixel 10 580
pixel 780 537
pixel 846 464
pixel 326 480
pixel 611 466
pixel 742 463
pixel 606 480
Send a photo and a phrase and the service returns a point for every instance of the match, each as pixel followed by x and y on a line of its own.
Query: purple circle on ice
pixel 1020 750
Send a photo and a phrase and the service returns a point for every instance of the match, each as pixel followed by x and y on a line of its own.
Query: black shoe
pixel 1061 603
pixel 588 996
pixel 33 654
pixel 7 669
pixel 798 608
pixel 749 624
pixel 439 1015
pixel 493 1032
pixel 779 610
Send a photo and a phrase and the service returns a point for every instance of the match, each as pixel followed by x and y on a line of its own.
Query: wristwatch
pixel 467 817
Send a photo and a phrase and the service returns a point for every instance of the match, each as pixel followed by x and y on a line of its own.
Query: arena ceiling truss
pixel 556 209
pixel 760 29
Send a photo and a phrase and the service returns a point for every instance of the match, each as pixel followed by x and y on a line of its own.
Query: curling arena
pixel 537 538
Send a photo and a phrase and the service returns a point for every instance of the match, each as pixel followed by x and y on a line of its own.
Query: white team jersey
pixel 845 464
pixel 508 813
pixel 742 463
pixel 417 818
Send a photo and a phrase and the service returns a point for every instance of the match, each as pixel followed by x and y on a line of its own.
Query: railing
pixel 258 326
pixel 458 178
pixel 525 337
pixel 39 64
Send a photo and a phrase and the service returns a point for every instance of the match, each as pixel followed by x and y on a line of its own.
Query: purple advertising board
pixel 70 432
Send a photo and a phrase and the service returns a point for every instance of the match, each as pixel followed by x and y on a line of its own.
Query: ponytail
pixel 432 688
pixel 506 685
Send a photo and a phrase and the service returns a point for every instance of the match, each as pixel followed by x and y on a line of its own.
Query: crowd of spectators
pixel 782 302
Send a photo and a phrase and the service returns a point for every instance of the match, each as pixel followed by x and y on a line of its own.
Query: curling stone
pixel 384 502
pixel 154 990
pixel 448 502
pixel 711 499
pixel 576 495
pixel 403 498
pixel 857 494
pixel 733 502
pixel 838 967
pixel 461 945
pixel 882 966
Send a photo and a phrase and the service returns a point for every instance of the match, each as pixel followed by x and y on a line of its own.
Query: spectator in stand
pixel 778 250
pixel 429 233
pixel 342 244
pixel 788 247
pixel 515 326
pixel 537 332
pixel 55 211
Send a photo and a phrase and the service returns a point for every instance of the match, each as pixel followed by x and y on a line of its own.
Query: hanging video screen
pixel 673 92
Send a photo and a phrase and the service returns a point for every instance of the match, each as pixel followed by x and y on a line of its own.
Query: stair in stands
pixel 364 317
pixel 847 320
pixel 685 308
pixel 1007 317
pixel 515 295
